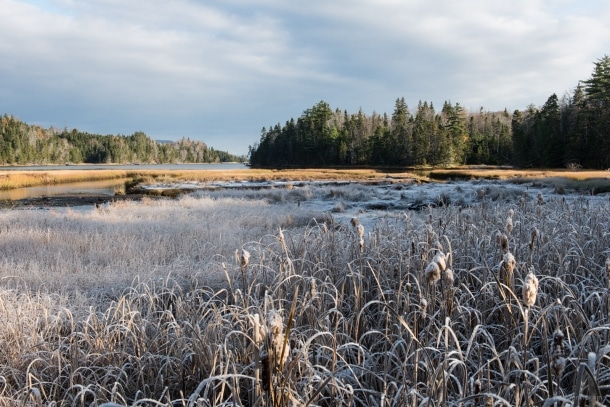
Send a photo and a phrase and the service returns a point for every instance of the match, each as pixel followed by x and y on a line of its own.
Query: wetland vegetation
pixel 300 294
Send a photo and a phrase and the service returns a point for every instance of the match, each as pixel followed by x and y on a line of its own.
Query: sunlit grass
pixel 507 174
pixel 20 179
pixel 23 179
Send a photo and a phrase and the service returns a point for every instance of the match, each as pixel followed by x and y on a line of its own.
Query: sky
pixel 219 71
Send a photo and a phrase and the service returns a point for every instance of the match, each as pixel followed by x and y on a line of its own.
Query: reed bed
pixel 24 179
pixel 207 301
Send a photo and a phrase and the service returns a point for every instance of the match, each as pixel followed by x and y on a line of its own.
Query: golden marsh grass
pixel 21 179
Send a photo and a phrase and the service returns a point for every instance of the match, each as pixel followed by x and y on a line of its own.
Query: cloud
pixel 221 70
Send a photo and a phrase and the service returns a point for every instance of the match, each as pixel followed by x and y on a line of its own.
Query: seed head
pixel 360 230
pixel 509 262
pixel 502 241
pixel 558 361
pixel 275 328
pixel 424 305
pixel 441 260
pixel 534 235
pixel 432 272
pixel 530 289
pixel 245 258
pixel 448 277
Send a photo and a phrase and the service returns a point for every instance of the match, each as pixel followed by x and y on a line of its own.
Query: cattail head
pixel 244 258
pixel 534 234
pixel 275 337
pixel 360 230
pixel 530 289
pixel 502 241
pixel 441 260
pixel 540 198
pixel 558 361
pixel 608 269
pixel 355 221
pixel 280 237
pixel 509 260
pixel 508 263
pixel 511 213
pixel 424 305
pixel 447 277
pixel 432 272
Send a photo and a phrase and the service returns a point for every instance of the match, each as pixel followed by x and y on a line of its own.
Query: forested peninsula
pixel 572 131
pixel 21 143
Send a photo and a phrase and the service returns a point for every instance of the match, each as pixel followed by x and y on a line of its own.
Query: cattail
pixel 275 335
pixel 360 231
pixel 540 198
pixel 534 235
pixel 424 305
pixel 441 260
pixel 511 213
pixel 355 221
pixel 558 361
pixel 506 268
pixel 477 386
pixel 530 289
pixel 502 241
pixel 432 272
pixel 448 278
pixel 244 259
pixel 608 269
pixel 280 237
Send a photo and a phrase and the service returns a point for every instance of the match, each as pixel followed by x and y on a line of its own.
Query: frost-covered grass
pixel 269 298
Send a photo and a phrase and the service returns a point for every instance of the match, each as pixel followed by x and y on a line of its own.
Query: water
pixel 104 187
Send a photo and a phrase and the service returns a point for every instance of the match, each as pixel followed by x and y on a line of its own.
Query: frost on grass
pixel 150 303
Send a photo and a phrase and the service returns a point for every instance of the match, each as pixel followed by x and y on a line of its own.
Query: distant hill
pixel 21 143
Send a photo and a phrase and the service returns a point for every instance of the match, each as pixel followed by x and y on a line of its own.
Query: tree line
pixel 21 143
pixel 573 131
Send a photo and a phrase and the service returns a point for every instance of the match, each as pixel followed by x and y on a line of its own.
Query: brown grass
pixel 23 179
pixel 508 174
pixel 586 180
